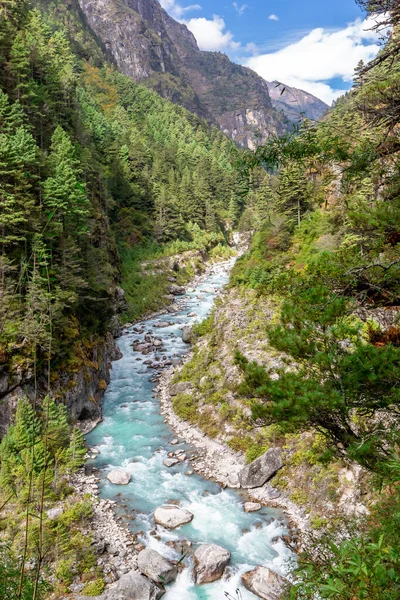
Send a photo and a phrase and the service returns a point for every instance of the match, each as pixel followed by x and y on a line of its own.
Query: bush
pixel 94 588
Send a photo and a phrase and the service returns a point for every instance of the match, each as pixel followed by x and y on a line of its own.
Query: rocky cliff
pixel 149 46
pixel 296 104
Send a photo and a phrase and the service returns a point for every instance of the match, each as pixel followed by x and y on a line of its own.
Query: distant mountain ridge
pixel 150 46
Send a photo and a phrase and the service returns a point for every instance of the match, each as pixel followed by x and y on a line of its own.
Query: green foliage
pixel 94 588
pixel 364 565
pixel 10 578
pixel 185 407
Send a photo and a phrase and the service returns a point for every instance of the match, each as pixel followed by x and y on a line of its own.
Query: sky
pixel 313 45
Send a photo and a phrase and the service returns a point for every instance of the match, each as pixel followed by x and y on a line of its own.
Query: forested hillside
pixel 327 253
pixel 92 165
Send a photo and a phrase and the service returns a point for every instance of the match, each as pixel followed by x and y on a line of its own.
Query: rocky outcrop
pixel 133 586
pixel 119 477
pixel 262 469
pixel 149 46
pixel 156 567
pixel 210 562
pixel 172 517
pixel 183 387
pixel 264 583
pixel 296 104
pixel 81 388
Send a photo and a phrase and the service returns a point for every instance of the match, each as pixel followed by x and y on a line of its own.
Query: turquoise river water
pixel 133 435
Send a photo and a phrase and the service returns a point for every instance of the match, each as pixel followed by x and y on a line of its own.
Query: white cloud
pixel 212 34
pixel 240 8
pixel 319 57
pixel 177 10
pixel 273 18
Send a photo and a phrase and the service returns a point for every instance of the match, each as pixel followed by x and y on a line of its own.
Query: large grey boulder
pixel 250 507
pixel 262 469
pixel 119 477
pixel 210 562
pixel 133 586
pixel 183 387
pixel 264 583
pixel 172 516
pixel 177 290
pixel 187 335
pixel 156 567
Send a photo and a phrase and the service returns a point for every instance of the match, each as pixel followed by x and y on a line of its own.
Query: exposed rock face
pixel 156 567
pixel 183 387
pixel 296 104
pixel 210 562
pixel 264 583
pixel 262 469
pixel 133 586
pixel 119 477
pixel 148 45
pixel 172 516
pixel 82 392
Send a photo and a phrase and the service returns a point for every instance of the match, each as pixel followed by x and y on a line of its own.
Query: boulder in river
pixel 210 562
pixel 119 477
pixel 264 583
pixel 262 469
pixel 133 586
pixel 156 567
pixel 183 387
pixel 187 335
pixel 250 507
pixel 171 462
pixel 172 516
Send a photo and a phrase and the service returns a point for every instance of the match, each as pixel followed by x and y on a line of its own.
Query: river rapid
pixel 133 435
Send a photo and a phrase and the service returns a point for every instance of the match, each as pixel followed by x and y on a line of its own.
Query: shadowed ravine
pixel 133 435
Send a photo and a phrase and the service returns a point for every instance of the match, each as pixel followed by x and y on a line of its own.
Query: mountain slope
pixel 296 104
pixel 147 44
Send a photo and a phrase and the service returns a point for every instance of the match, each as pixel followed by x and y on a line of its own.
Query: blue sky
pixel 311 44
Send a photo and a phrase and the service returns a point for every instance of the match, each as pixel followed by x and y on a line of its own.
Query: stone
pixel 177 290
pixel 264 583
pixel 262 469
pixel 163 324
pixel 192 314
pixel 171 462
pixel 54 513
pixel 119 477
pixel 174 442
pixel 157 343
pixel 182 387
pixel 210 561
pixel 250 507
pixel 172 516
pixel 187 335
pixel 156 567
pixel 133 586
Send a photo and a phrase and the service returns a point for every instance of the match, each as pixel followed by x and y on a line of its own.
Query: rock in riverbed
pixel 172 516
pixel 262 469
pixel 250 507
pixel 156 567
pixel 133 586
pixel 171 462
pixel 210 561
pixel 119 477
pixel 264 583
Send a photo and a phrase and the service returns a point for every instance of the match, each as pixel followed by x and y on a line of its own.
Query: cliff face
pixel 149 46
pixel 296 104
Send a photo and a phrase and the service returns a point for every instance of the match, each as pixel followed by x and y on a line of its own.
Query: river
pixel 133 435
